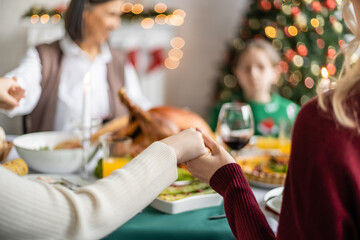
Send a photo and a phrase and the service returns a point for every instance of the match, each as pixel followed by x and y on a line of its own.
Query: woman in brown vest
pixel 52 74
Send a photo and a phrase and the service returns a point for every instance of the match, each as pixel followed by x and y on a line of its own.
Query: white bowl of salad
pixel 45 151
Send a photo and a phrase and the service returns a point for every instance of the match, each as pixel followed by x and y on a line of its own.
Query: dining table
pixel 204 223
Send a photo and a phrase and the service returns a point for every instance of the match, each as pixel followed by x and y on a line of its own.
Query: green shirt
pixel 266 115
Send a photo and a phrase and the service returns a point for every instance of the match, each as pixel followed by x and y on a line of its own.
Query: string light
pixel 177 42
pixel 175 20
pixel 179 12
pixel 292 30
pixel 34 18
pixel 315 69
pixel 270 32
pixel 147 23
pixel 137 8
pixel 304 99
pixel 309 82
pixel 331 68
pixel 160 19
pixel 126 7
pixel 44 18
pixel 55 19
pixel 175 54
pixel 171 63
pixel 160 7
pixel 298 61
pixel 314 22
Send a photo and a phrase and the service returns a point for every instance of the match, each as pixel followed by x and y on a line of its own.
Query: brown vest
pixel 42 117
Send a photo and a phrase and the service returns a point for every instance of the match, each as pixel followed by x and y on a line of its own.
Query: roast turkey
pixel 155 124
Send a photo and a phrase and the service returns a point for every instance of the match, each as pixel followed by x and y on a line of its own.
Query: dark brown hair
pixel 74 17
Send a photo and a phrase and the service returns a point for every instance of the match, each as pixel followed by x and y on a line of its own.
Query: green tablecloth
pixel 152 224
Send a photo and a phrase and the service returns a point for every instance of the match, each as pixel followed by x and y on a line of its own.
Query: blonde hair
pixel 261 44
pixel 348 84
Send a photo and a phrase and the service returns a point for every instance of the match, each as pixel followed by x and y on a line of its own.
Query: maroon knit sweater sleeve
pixel 245 218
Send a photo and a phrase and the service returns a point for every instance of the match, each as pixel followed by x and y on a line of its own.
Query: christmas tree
pixel 308 34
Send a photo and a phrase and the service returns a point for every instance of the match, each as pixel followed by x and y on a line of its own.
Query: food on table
pixel 2 138
pixel 5 146
pixel 17 166
pixel 265 168
pixel 194 188
pixel 69 144
pixel 184 174
pixel 146 127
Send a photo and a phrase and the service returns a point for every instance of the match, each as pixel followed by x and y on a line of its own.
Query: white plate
pixel 263 185
pixel 77 180
pixel 187 204
pixel 273 199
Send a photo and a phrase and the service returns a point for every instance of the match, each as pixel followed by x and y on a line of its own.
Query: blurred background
pixel 182 50
pixel 190 82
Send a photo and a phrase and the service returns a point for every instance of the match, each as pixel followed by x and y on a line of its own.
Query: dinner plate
pixel 263 184
pixel 73 180
pixel 187 204
pixel 273 199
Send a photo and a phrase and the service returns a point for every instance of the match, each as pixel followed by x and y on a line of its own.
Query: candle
pixel 86 107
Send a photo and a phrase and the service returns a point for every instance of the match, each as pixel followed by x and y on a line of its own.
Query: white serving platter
pixel 187 204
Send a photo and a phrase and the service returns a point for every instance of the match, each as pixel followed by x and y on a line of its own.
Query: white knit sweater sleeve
pixel 35 210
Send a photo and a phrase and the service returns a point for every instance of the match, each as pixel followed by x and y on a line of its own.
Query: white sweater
pixel 35 210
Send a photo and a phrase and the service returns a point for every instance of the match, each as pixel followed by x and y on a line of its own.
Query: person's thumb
pixel 211 144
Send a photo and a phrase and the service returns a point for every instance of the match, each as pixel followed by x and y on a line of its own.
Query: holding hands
pixel 187 145
pixel 204 166
pixel 10 93
pixel 192 148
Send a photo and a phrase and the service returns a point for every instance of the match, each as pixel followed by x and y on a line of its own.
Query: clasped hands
pixel 202 155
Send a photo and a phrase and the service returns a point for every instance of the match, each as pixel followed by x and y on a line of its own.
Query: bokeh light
pixel 175 53
pixel 44 18
pixel 177 42
pixel 137 8
pixel 314 22
pixel 160 19
pixel 309 82
pixel 126 7
pixel 292 30
pixel 147 23
pixel 34 18
pixel 171 63
pixel 55 18
pixel 160 7
pixel 179 12
pixel 270 32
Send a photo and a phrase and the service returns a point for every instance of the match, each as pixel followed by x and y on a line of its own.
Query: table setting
pixel 186 209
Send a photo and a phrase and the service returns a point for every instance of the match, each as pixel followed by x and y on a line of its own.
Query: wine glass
pixel 235 125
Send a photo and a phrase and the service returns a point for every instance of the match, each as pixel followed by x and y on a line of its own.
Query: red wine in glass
pixel 235 125
pixel 236 143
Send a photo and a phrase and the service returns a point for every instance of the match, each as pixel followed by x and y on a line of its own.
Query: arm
pixel 37 210
pixel 28 75
pixel 133 88
pixel 242 211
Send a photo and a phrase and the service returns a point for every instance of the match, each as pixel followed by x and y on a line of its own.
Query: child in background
pixel 256 68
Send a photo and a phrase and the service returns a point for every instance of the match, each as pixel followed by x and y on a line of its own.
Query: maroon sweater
pixel 322 190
